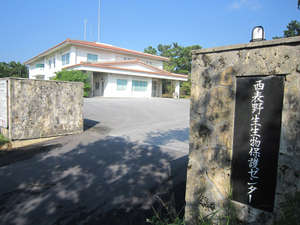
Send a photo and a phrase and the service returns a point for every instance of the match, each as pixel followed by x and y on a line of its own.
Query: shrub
pixel 3 140
pixel 76 76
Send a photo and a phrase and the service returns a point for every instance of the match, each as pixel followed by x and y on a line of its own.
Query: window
pixel 121 85
pixel 50 64
pixel 40 65
pixel 92 58
pixel 66 59
pixel 54 63
pixel 139 85
pixel 97 85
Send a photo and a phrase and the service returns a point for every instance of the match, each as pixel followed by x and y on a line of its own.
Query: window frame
pixel 65 59
pixel 97 85
pixel 92 58
pixel 121 85
pixel 138 85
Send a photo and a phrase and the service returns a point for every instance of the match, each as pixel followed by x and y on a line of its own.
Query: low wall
pixel 212 118
pixel 39 108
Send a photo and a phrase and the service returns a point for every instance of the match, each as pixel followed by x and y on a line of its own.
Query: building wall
pixel 83 51
pixel 43 108
pixel 112 91
pixel 212 109
pixel 46 71
pixel 79 54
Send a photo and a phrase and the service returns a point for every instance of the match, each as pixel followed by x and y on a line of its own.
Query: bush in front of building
pixel 76 76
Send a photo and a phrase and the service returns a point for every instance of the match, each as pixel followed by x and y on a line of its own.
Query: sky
pixel 30 27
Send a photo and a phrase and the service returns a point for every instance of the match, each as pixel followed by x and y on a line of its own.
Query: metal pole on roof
pixel 85 30
pixel 91 32
pixel 99 23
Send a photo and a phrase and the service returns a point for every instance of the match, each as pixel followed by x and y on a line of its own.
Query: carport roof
pixel 113 65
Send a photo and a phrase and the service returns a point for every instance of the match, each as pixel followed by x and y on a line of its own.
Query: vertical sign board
pixel 257 128
pixel 3 103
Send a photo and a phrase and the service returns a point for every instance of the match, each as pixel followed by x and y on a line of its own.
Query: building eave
pixel 111 69
pixel 99 46
pixel 47 51
pixel 117 49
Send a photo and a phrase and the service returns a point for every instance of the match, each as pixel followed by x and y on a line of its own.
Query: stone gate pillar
pixel 215 73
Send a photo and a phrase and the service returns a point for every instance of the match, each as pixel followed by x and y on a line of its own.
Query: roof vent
pixel 258 34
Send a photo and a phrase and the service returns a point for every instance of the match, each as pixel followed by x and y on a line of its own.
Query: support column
pixel 91 79
pixel 177 89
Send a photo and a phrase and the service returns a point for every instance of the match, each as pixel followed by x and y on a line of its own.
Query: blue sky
pixel 29 27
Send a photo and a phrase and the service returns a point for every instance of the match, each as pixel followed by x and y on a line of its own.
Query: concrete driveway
pixel 159 121
pixel 105 175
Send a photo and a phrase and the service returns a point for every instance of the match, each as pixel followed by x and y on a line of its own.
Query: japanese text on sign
pixel 255 138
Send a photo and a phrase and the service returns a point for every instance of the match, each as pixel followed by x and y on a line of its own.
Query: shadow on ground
pixel 94 182
pixel 164 137
pixel 93 125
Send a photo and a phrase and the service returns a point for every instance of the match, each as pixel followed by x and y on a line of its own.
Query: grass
pixel 165 218
pixel 171 96
pixel 3 140
pixel 171 218
pixel 289 214
pixel 224 215
pixel 290 210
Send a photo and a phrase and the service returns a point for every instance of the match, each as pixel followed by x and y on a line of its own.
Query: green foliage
pixel 186 87
pixel 180 57
pixel 77 76
pixel 290 210
pixel 293 29
pixel 180 62
pixel 226 215
pixel 150 50
pixel 3 140
pixel 169 218
pixel 13 69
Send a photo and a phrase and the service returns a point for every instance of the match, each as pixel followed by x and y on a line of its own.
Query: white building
pixel 113 71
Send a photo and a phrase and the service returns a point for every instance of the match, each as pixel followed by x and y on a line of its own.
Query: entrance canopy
pixel 128 78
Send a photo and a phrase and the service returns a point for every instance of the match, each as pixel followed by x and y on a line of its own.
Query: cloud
pixel 252 4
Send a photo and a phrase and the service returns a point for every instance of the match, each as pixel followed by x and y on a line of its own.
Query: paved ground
pixel 105 175
pixel 160 122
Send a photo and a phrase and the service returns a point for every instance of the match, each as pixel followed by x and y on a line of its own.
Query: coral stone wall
pixel 212 109
pixel 39 108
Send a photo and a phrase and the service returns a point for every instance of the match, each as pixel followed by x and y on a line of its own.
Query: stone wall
pixel 39 108
pixel 212 109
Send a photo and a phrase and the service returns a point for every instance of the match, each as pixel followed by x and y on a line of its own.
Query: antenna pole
pixel 99 23
pixel 91 32
pixel 85 30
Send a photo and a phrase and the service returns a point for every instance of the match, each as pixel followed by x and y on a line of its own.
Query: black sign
pixel 257 127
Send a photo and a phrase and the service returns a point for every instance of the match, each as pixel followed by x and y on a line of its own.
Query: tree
pixel 150 50
pixel 77 76
pixel 293 29
pixel 180 62
pixel 13 69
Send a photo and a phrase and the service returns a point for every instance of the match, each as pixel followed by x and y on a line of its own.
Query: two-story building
pixel 113 71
